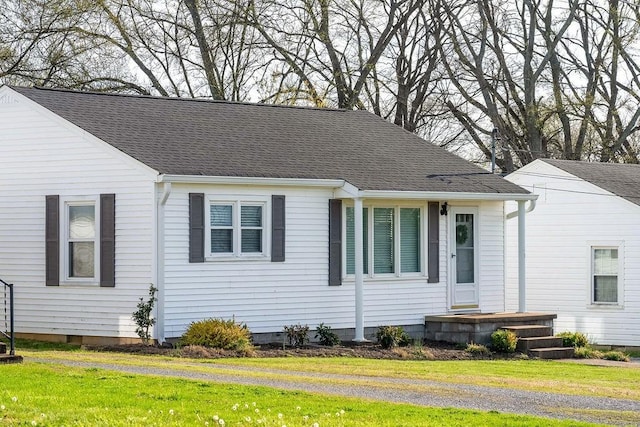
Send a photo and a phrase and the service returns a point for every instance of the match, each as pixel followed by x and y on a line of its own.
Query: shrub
pixel 586 353
pixel 504 341
pixel 218 333
pixel 392 336
pixel 573 339
pixel 142 316
pixel 477 349
pixel 616 355
pixel 297 334
pixel 326 336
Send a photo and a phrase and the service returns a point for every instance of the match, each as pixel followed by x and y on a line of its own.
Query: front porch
pixel 478 327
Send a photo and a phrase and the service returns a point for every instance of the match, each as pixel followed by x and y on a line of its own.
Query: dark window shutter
pixel 433 251
pixel 107 240
pixel 52 241
pixel 277 228
pixel 196 227
pixel 335 242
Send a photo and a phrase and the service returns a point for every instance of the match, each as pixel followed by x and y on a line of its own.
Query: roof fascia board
pixel 108 148
pixel 245 180
pixel 445 195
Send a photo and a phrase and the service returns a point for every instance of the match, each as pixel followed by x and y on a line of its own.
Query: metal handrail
pixel 11 335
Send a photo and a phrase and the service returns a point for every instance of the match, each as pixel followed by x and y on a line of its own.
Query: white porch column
pixel 359 274
pixel 522 293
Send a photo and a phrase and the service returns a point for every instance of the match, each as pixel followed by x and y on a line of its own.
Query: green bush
pixel 297 334
pixel 218 333
pixel 477 349
pixel 586 352
pixel 142 316
pixel 573 339
pixel 504 341
pixel 392 336
pixel 616 355
pixel 326 336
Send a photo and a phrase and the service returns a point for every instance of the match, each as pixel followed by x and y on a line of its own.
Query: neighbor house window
pixel 81 240
pixel 237 228
pixel 392 240
pixel 605 278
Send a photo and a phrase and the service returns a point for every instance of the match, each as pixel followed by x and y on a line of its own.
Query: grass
pixel 531 375
pixel 49 394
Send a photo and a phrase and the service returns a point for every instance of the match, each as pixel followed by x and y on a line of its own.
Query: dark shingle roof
pixel 216 138
pixel 621 179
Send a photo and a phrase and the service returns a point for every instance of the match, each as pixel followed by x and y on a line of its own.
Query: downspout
pixel 359 274
pixel 521 213
pixel 160 333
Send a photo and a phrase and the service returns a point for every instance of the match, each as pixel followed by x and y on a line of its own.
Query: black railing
pixel 11 335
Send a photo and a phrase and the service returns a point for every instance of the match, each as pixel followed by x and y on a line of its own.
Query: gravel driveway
pixel 432 393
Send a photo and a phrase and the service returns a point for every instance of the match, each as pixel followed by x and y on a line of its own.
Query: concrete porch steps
pixel 8 358
pixel 538 341
pixel 552 353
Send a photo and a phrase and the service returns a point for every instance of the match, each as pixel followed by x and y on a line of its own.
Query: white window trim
pixel 619 245
pixel 371 276
pixel 66 278
pixel 237 203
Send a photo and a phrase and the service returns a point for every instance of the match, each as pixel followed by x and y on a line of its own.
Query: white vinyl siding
pixel 40 155
pixel 571 217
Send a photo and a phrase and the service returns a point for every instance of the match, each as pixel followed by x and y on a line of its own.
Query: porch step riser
pixel 552 353
pixel 530 331
pixel 5 358
pixel 526 344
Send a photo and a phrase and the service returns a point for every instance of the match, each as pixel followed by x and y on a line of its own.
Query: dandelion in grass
pixel 170 411
pixel 216 418
pixel 257 411
pixel 298 408
pixel 305 418
pixel 34 423
pixel 221 422
pixel 280 416
pixel 253 403
pixel 235 407
pixel 2 407
pixel 315 425
pixel 247 419
pixel 246 406
pixel 14 398
pixel 206 423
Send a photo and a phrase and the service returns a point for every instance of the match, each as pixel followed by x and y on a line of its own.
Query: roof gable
pixel 216 138
pixel 621 179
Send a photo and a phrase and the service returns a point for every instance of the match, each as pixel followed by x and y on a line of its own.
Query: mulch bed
pixel 428 351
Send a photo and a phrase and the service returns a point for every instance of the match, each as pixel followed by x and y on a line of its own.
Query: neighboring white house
pixel 273 215
pixel 583 248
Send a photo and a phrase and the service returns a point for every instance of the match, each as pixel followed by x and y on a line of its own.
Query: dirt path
pixel 418 392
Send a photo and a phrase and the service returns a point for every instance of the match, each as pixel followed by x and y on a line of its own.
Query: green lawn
pixel 50 394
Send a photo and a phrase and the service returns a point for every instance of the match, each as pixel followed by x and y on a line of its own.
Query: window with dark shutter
pixel 335 242
pixel 107 240
pixel 196 227
pixel 277 228
pixel 433 264
pixel 52 240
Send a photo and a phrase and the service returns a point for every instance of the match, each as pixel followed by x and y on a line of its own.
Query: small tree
pixel 142 316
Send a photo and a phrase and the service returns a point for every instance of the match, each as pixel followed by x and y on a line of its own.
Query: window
pixel 395 234
pixel 81 240
pixel 604 280
pixel 237 228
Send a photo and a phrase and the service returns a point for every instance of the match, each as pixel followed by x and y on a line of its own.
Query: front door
pixel 464 258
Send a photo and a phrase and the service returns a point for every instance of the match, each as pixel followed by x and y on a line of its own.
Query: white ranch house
pixel 273 215
pixel 583 248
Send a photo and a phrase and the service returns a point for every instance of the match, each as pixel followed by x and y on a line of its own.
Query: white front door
pixel 464 258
